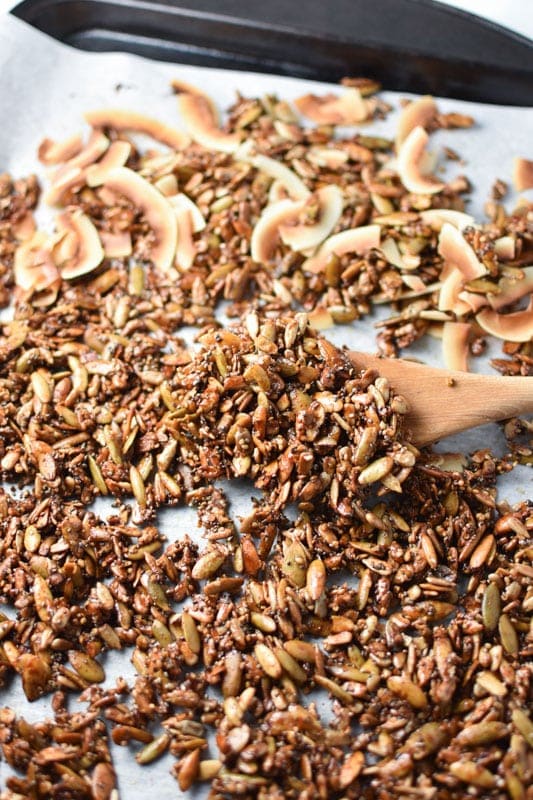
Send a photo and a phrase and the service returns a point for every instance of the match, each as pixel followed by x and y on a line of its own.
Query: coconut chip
pixel 201 119
pixel 155 207
pixel 522 174
pixel 349 108
pixel 116 156
pixel 455 338
pixel 52 153
pixel 412 164
pixel 516 327
pixel 355 240
pixel 88 253
pixel 420 112
pixel 130 121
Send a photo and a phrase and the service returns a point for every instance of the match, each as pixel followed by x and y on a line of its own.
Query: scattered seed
pixel 153 750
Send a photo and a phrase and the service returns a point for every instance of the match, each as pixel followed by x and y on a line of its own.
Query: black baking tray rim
pixel 409 45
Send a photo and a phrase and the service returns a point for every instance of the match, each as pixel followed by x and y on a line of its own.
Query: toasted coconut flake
pixel 522 174
pixel 158 165
pixel 436 217
pixel 201 118
pixel 277 192
pixel 71 179
pixel 455 250
pixel 349 108
pixel 181 201
pixel 265 235
pixel 167 185
pixel 411 161
pixel 71 175
pixel 93 150
pixel 505 248
pixel 190 221
pixel 65 246
pixel 414 283
pixel 116 245
pixel 34 267
pixel 24 228
pixel 451 287
pixel 116 156
pixel 320 319
pixel 512 290
pixel 397 219
pixel 517 327
pixel 473 300
pixel 52 153
pixel 391 253
pixel 306 237
pixel 182 87
pixel 455 336
pixel 294 185
pixel 186 249
pixel 355 240
pixel 89 252
pixel 419 112
pixel 121 120
pixel 156 209
pixel 330 157
pixel 434 315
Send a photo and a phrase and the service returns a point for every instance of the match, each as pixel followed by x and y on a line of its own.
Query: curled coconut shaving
pixel 130 121
pixel 201 118
pixel 282 175
pixel 355 240
pixel 116 156
pixel 52 153
pixel 93 150
pixel 455 250
pixel 412 164
pixel 460 265
pixel 511 290
pixel 348 108
pixel 88 252
pixel 301 237
pixel 156 209
pixel 282 220
pixel 190 221
pixel 436 217
pixel 522 174
pixel 516 327
pixel 265 235
pixel 34 266
pixel 71 174
pixel 455 337
pixel 418 112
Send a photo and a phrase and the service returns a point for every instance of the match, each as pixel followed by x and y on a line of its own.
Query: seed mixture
pixel 365 630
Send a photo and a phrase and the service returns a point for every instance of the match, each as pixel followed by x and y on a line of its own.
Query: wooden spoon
pixel 442 402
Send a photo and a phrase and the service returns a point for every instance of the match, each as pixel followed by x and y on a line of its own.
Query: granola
pixel 385 581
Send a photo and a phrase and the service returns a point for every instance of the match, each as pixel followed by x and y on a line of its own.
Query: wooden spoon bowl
pixel 442 402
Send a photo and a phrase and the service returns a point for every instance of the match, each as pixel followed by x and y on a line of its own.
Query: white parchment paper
pixel 44 89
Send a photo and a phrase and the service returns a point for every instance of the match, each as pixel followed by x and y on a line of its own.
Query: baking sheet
pixel 44 89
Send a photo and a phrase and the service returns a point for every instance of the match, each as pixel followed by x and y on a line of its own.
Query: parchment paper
pixel 44 89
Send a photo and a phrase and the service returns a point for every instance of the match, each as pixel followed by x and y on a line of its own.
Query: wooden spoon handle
pixel 442 402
